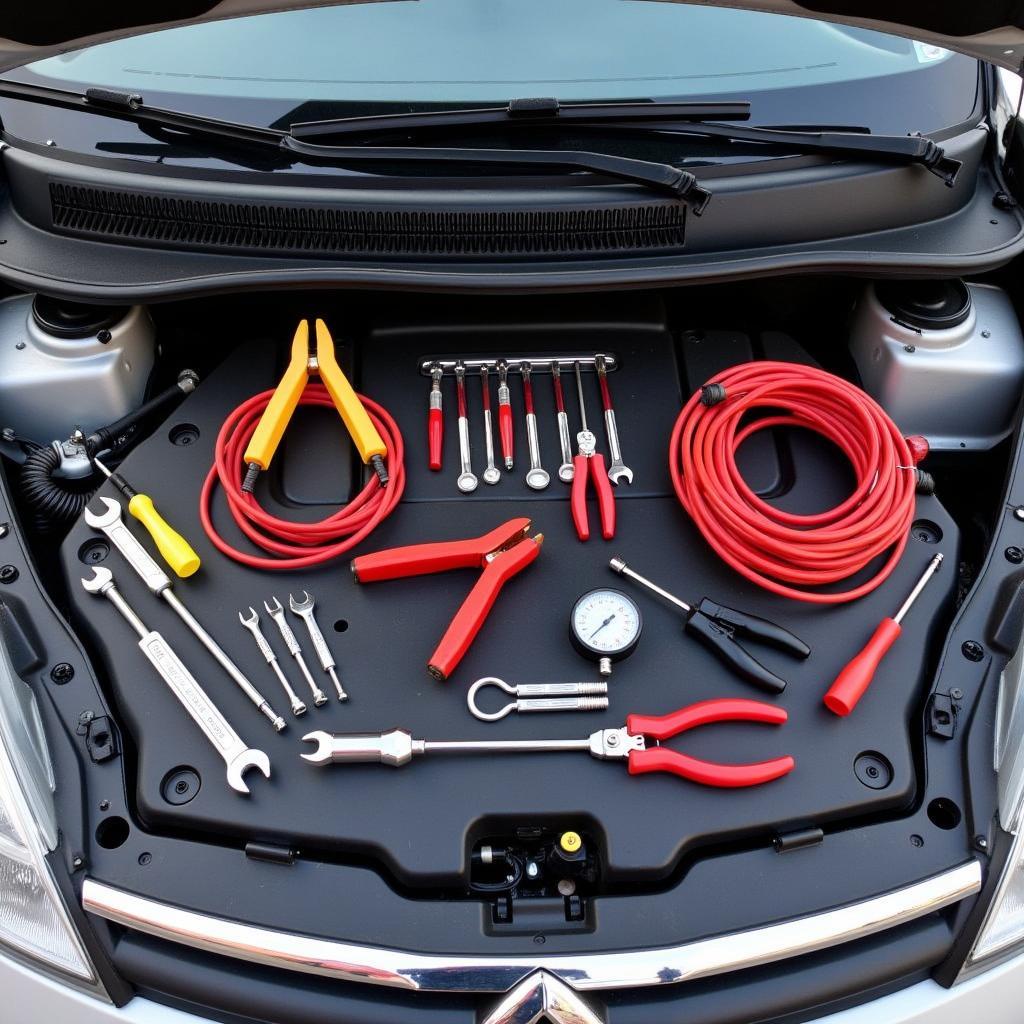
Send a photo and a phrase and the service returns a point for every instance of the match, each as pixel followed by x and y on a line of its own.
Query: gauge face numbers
pixel 605 624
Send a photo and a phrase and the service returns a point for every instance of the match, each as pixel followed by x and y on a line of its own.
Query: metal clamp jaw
pixel 610 744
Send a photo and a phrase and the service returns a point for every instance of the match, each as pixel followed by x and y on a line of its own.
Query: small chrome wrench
pixel 505 428
pixel 304 610
pixel 237 756
pixel 276 612
pixel 114 526
pixel 253 625
pixel 539 697
pixel 566 470
pixel 467 478
pixel 491 474
pixel 617 470
pixel 537 477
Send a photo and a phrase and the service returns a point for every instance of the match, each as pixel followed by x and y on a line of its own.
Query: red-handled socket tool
pixel 588 464
pixel 398 747
pixel 502 554
pixel 435 419
pixel 505 429
pixel 855 678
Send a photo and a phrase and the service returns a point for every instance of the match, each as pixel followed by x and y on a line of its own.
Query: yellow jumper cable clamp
pixel 278 413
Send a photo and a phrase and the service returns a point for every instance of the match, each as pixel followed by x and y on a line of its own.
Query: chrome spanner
pixel 537 476
pixel 276 612
pixel 237 756
pixel 252 623
pixel 566 470
pixel 304 610
pixel 112 524
pixel 467 481
pixel 617 470
pixel 491 474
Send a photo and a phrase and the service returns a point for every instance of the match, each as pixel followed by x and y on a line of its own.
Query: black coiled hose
pixel 55 501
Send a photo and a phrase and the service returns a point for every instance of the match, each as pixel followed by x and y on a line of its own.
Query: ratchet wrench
pixel 467 478
pixel 237 756
pixel 566 469
pixel 618 470
pixel 111 523
pixel 537 477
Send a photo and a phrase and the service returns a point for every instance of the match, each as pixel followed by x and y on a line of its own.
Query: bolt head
pixel 1014 555
pixel 8 573
pixel 62 672
pixel 956 693
pixel 972 650
pixel 1018 513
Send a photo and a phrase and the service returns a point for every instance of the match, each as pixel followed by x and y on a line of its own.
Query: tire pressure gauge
pixel 605 624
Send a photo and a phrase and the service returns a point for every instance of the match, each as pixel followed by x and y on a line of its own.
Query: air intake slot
pixel 197 224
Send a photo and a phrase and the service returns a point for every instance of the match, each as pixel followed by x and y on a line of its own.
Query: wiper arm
pixel 667 178
pixel 542 110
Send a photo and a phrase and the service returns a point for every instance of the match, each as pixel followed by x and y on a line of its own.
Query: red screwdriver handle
pixel 724 776
pixel 435 436
pixel 705 712
pixel 856 677
pixel 505 431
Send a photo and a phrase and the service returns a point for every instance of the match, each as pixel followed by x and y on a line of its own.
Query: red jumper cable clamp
pixel 502 554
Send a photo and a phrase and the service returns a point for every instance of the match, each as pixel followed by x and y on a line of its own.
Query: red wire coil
pixel 297 545
pixel 781 551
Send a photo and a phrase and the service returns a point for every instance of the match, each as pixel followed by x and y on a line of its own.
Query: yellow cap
pixel 570 842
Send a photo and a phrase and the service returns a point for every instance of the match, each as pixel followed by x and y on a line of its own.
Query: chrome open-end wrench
pixel 112 524
pixel 237 756
pixel 537 476
pixel 566 469
pixel 467 478
pixel 252 623
pixel 304 610
pixel 618 470
pixel 491 474
pixel 276 612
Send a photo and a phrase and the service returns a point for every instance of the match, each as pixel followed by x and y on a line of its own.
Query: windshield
pixel 416 54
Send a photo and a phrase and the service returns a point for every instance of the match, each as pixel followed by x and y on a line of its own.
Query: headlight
pixel 34 923
pixel 1003 927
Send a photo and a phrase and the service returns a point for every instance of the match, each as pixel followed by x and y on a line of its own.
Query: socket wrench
pixel 237 756
pixel 252 623
pixel 276 612
pixel 112 524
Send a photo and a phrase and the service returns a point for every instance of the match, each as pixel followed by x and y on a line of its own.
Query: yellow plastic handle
pixel 177 551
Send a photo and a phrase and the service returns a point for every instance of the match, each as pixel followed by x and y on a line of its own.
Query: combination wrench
pixel 537 476
pixel 276 612
pixel 252 623
pixel 304 610
pixel 112 524
pixel 491 474
pixel 193 698
pixel 566 470
pixel 467 481
pixel 618 470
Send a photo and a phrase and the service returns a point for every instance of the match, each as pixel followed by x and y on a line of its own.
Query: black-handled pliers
pixel 717 627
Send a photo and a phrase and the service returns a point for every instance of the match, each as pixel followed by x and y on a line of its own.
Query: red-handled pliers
pixel 502 554
pixel 589 464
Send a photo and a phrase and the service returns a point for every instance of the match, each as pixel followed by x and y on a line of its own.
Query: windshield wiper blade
pixel 541 110
pixel 667 178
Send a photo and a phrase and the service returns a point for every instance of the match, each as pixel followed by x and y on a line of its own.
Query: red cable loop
pixel 297 545
pixel 781 551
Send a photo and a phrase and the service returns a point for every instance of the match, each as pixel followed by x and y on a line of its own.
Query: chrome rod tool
pixel 537 476
pixel 252 623
pixel 276 612
pixel 435 419
pixel 618 470
pixel 467 481
pixel 566 469
pixel 112 524
pixel 539 697
pixel 491 474
pixel 238 757
pixel 304 610
pixel 505 428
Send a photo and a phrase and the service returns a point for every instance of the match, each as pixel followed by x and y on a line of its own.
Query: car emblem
pixel 542 998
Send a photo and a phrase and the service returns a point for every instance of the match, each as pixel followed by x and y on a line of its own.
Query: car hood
pixel 992 31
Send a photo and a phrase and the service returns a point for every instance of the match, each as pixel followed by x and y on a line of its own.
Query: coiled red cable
pixel 297 545
pixel 781 551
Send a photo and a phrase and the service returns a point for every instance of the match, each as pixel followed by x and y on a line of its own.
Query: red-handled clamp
pixel 502 554
pixel 588 464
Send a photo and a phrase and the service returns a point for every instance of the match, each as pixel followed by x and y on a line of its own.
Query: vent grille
pixel 263 228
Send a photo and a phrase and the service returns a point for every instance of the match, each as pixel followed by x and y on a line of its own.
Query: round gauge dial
pixel 605 624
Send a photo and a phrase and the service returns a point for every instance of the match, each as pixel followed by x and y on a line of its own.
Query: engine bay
pixel 557 828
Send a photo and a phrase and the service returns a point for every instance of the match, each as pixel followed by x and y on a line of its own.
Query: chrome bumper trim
pixel 585 971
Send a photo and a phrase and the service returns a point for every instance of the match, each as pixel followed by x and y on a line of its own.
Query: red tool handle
pixel 471 616
pixel 435 437
pixel 578 497
pixel 705 712
pixel 559 394
pixel 724 776
pixel 505 430
pixel 421 559
pixel 605 495
pixel 856 677
pixel 606 395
